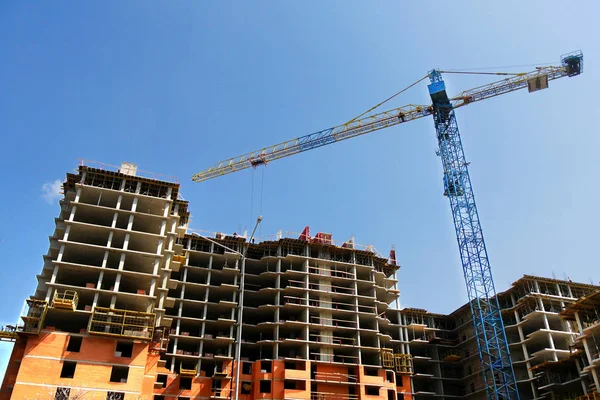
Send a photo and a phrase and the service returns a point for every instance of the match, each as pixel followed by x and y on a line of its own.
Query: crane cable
pixel 252 198
pixel 483 73
pixel 502 67
pixel 262 183
pixel 450 71
pixel 386 100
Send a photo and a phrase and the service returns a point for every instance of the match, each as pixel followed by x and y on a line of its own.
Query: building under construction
pixel 131 304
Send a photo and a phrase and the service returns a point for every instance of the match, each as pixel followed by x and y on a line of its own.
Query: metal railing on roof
pixel 139 173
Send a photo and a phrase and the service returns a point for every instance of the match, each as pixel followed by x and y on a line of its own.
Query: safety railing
pixel 65 299
pixel 122 323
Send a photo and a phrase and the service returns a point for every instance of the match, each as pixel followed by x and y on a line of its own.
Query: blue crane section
pixel 494 355
pixel 491 340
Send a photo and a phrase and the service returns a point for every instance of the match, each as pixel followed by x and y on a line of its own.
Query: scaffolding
pixel 451 356
pixel 66 299
pixel 8 333
pixel 179 259
pixel 122 323
pixel 33 319
pixel 387 358
pixel 402 363
pixel 590 396
pixel 332 395
pixel 186 372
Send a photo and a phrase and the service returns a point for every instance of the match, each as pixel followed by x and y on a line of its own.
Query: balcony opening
pixel 247 368
pixel 68 369
pixel 290 384
pixel 389 376
pixel 265 386
pixel 119 374
pixel 265 368
pixel 297 365
pixel 372 390
pixel 162 379
pixel 185 383
pixel 124 349
pixel 74 343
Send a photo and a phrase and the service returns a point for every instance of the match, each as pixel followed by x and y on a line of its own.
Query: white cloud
pixel 51 191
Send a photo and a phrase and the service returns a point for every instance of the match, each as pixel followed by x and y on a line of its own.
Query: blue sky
pixel 179 86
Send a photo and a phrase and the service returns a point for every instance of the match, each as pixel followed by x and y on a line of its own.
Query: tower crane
pixel 498 374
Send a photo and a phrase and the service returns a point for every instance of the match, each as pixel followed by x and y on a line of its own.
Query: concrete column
pixel 77 195
pixel 72 215
pixel 122 262
pixel 588 352
pixel 596 377
pixel 110 237
pixel 99 282
pixel 546 323
pixel 105 259
pixel 152 287
pixel 67 231
pixel 117 282
pixel 533 389
pixel 180 310
pixel 134 204
pixel 175 344
pixel 61 251
pixel 579 324
pixel 130 222
pixel 163 227
pixel 551 341
pixel 52 280
pixel 114 221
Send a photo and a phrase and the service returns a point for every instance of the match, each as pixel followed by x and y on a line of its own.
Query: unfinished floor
pixel 131 304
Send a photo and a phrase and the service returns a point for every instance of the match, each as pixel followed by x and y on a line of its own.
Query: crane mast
pixel 499 378
pixel 494 355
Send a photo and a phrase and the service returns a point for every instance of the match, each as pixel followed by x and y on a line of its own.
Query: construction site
pixel 133 304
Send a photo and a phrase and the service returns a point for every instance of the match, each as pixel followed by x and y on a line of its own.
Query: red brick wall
pixel 43 357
